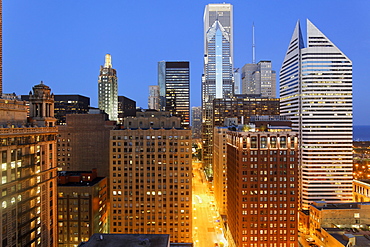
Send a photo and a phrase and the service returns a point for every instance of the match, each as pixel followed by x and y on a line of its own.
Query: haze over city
pixel 64 43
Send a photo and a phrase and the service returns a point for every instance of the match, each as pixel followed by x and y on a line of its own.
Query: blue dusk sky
pixel 63 43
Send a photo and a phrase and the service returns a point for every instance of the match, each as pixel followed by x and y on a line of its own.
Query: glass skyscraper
pixel 316 93
pixel 174 89
pixel 217 79
pixel 108 89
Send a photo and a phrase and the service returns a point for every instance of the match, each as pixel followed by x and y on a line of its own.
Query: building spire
pixel 253 46
pixel 108 61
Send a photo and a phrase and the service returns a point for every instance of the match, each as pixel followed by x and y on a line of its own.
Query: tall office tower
pixel 82 143
pixel 108 89
pixel 237 81
pixel 150 177
pixel 316 93
pixel 126 107
pixel 262 187
pixel 248 85
pixel 217 78
pixel 259 79
pixel 28 179
pixel 153 99
pixel 174 89
pixel 196 121
pixel 83 207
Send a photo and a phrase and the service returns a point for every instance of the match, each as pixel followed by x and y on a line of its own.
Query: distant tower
pixel 196 121
pixel 174 89
pixel 108 89
pixel 237 81
pixel 42 106
pixel 259 79
pixel 153 99
pixel 217 79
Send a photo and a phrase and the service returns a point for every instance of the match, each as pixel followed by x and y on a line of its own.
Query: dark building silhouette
pixel 126 108
pixel 83 143
pixel 69 104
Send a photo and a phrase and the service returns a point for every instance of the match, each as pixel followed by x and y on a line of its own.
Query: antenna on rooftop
pixel 253 46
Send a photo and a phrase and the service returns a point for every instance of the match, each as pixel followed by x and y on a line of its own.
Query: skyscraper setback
pixel 217 79
pixel 316 93
pixel 108 89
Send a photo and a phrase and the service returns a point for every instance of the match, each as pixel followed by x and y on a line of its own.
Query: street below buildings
pixel 207 228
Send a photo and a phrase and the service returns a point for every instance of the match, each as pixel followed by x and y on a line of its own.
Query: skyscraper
pixel 196 121
pixel 237 81
pixel 259 79
pixel 108 89
pixel 316 93
pixel 153 99
pixel 217 79
pixel 174 89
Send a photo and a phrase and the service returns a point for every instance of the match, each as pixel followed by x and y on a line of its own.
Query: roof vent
pixel 144 242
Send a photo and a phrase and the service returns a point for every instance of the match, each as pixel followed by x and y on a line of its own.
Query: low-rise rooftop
pixel 127 240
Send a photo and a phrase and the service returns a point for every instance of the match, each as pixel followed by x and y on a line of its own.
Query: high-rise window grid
pixel 316 93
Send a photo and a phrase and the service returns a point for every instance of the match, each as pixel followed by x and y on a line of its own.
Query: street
pixel 207 229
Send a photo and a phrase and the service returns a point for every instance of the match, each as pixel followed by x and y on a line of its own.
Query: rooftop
pixel 323 205
pixel 82 183
pixel 127 240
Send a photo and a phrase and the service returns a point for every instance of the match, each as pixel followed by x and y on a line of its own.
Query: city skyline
pixel 42 39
